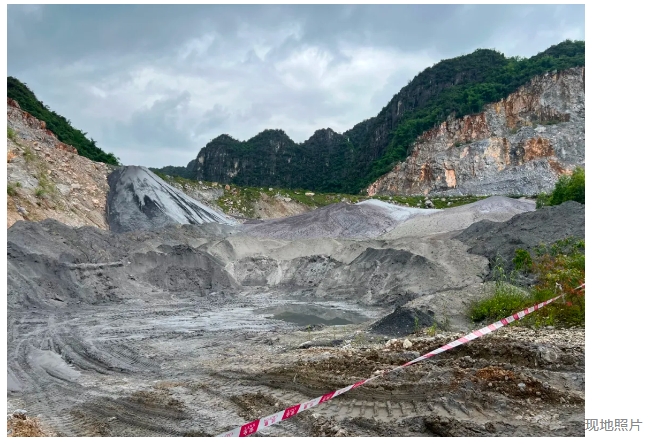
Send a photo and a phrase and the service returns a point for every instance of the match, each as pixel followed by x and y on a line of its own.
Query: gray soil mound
pixel 392 276
pixel 526 230
pixel 402 322
pixel 495 208
pixel 339 220
pixel 140 200
pixel 373 218
pixel 49 263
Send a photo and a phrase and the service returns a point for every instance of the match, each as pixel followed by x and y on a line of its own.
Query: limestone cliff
pixel 518 146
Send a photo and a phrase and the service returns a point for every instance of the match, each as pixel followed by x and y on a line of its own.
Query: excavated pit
pixel 192 330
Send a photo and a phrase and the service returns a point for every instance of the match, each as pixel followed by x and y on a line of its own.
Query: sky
pixel 154 84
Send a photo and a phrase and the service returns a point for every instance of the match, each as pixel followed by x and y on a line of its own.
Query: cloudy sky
pixel 154 84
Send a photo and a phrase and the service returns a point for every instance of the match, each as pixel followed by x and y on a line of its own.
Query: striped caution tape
pixel 262 423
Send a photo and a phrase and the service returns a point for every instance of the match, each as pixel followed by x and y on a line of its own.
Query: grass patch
pixel 29 155
pixel 45 186
pixel 11 134
pixel 558 269
pixel 12 188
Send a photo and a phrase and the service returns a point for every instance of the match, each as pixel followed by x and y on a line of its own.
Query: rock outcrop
pixel 518 146
pixel 47 179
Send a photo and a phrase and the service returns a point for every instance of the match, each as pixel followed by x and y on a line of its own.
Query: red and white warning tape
pixel 267 421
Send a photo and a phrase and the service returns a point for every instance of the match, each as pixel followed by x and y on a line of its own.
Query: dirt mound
pixel 389 276
pixel 495 208
pixel 403 321
pixel 183 268
pixel 50 263
pixel 46 263
pixel 526 230
pixel 140 200
pixel 397 212
pixel 339 220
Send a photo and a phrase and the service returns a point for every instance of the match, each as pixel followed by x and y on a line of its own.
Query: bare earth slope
pixel 547 225
pixel 48 179
pixel 494 209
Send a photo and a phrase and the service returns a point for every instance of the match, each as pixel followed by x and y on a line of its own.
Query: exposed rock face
pixel 140 200
pixel 520 145
pixel 47 179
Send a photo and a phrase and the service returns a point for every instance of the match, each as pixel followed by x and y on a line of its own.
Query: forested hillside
pixel 56 123
pixel 348 162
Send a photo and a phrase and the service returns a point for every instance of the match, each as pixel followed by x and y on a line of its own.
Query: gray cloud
pixel 154 83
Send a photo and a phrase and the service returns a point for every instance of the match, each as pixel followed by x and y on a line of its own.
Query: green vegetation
pixel 558 269
pixel 489 77
pixel 59 125
pixel 11 134
pixel 359 339
pixel 12 188
pixel 347 163
pixel 45 185
pixel 240 200
pixel 522 260
pixel 568 187
pixel 28 154
pixel 438 203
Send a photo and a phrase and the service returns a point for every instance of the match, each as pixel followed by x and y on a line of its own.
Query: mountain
pixel 56 123
pixel 351 161
pixel 520 145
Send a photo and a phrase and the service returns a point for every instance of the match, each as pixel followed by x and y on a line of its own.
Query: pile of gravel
pixel 495 208
pixel 339 220
pixel 140 200
pixel 401 322
pixel 526 230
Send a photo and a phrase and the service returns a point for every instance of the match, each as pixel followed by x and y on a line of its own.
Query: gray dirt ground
pixel 492 239
pixel 170 332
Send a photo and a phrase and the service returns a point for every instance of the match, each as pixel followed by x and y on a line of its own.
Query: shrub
pixel 569 188
pixel 522 260
pixel 507 299
pixel 559 270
